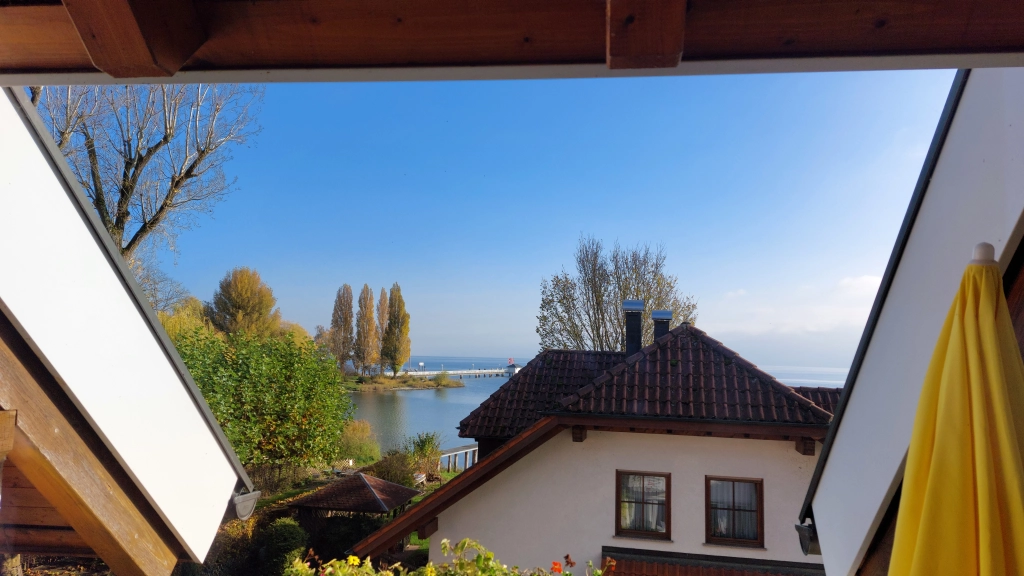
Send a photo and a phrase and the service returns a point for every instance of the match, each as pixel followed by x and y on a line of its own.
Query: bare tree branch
pixel 584 312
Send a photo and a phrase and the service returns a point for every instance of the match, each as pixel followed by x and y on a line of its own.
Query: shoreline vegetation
pixel 385 383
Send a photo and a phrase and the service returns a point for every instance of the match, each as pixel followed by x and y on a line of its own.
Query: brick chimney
pixel 633 311
pixel 661 318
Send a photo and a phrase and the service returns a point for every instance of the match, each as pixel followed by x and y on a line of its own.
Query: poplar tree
pixel 244 303
pixel 382 326
pixel 364 351
pixel 397 347
pixel 341 340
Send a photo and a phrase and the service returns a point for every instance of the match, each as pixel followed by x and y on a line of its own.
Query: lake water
pixel 396 415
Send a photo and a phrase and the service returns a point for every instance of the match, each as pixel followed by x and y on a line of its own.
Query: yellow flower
pixel 353 561
pixel 431 571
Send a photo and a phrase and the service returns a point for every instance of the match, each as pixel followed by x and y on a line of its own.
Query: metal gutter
pixel 923 181
pixel 70 184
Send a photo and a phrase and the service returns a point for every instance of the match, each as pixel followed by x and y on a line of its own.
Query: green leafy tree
pixel 364 351
pixel 244 303
pixel 397 347
pixel 340 335
pixel 279 400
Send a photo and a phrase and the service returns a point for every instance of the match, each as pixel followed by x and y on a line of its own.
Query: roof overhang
pixel 88 41
pixel 968 192
pixel 68 296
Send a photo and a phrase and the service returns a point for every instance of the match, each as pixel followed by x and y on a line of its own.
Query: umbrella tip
pixel 984 253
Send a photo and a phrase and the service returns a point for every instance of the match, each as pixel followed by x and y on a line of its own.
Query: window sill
pixel 742 546
pixel 644 538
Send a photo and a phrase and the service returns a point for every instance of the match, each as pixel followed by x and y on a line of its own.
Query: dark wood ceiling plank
pixel 137 38
pixel 53 456
pixel 40 38
pixel 324 34
pixel 645 33
pixel 360 33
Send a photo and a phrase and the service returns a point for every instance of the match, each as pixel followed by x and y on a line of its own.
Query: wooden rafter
pixel 58 458
pixel 645 33
pixel 136 38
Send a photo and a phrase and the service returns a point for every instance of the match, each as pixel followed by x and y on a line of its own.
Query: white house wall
pixel 976 195
pixel 62 290
pixel 560 499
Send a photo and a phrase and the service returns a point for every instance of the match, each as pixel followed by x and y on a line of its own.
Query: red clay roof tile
pixel 358 493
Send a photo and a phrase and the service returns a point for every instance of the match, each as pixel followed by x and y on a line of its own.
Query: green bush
pixel 358 443
pixel 441 380
pixel 278 400
pixel 425 451
pixel 281 545
pixel 396 466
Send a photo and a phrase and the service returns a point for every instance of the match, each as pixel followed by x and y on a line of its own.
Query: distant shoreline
pixel 403 382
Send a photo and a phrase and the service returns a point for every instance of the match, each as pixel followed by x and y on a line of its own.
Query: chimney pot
pixel 633 310
pixel 662 319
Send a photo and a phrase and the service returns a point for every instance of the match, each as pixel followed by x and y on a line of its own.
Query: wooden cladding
pixel 125 37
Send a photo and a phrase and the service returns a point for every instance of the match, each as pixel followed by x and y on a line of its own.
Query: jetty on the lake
pixel 509 371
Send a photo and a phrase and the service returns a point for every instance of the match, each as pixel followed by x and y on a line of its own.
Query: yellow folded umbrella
pixel 962 506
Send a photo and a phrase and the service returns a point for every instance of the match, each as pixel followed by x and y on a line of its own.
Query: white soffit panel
pixel 65 294
pixel 976 195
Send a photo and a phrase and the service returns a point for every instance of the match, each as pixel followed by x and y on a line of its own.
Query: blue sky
pixel 777 198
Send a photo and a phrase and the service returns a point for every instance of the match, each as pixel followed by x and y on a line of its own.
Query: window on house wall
pixel 643 506
pixel 735 511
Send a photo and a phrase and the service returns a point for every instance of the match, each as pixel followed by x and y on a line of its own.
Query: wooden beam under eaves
pixel 137 38
pixel 645 33
pixel 60 456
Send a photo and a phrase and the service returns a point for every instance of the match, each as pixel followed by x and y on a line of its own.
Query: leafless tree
pixel 150 158
pixel 584 311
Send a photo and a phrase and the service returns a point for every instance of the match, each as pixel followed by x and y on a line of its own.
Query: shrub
pixel 441 379
pixel 278 400
pixel 425 451
pixel 281 545
pixel 396 466
pixel 358 443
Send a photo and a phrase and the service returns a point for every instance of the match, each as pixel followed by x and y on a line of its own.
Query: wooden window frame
pixel 709 539
pixel 643 534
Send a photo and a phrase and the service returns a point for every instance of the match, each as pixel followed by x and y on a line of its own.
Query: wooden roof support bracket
pixel 137 38
pixel 645 33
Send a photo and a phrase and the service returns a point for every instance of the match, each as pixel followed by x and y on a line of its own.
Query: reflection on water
pixel 397 415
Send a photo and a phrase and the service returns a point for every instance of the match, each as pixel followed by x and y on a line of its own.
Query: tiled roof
pixel 827 398
pixel 687 374
pixel 358 493
pixel 538 387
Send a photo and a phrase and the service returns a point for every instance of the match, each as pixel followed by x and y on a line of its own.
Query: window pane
pixel 654 489
pixel 632 488
pixel 720 523
pixel 746 495
pixel 654 517
pixel 721 494
pixel 746 525
pixel 629 516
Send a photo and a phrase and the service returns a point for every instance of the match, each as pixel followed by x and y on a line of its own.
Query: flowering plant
pixel 468 558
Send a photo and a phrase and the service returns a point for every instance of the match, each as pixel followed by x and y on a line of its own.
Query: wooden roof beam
pixel 137 38
pixel 53 453
pixel 645 33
